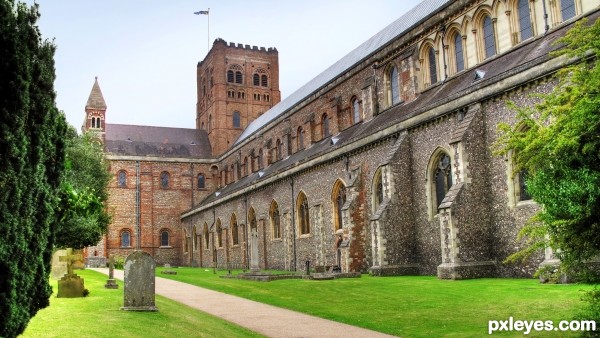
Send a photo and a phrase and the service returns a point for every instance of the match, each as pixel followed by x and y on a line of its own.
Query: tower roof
pixel 96 100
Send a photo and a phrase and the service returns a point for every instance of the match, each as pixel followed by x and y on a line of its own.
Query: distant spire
pixel 96 100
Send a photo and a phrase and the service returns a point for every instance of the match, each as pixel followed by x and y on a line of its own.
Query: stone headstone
pixel 70 285
pixel 59 268
pixel 110 282
pixel 254 250
pixel 139 284
pixel 78 261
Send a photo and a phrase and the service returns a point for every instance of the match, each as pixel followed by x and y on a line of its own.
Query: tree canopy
pixel 84 218
pixel 558 144
pixel 32 151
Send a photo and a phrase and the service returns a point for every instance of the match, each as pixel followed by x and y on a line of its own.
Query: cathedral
pixel 382 163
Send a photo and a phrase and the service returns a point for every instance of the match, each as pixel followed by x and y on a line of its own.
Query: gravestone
pixel 167 270
pixel 79 261
pixel 139 282
pixel 110 282
pixel 59 268
pixel 70 285
pixel 254 250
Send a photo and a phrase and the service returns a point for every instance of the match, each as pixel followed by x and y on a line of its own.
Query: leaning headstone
pixel 70 285
pixel 59 268
pixel 139 282
pixel 110 282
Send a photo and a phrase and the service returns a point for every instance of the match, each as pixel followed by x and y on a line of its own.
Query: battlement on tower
pixel 243 46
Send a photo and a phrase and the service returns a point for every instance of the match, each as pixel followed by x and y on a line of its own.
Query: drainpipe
pixel 546 26
pixel 138 231
pixel 246 233
pixel 293 223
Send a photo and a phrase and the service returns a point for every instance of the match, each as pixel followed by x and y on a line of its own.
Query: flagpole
pixel 208 32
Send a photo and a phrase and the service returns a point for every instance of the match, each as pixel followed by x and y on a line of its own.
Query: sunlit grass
pixel 420 306
pixel 99 315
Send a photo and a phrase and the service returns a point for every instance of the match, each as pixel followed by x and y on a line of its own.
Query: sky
pixel 145 52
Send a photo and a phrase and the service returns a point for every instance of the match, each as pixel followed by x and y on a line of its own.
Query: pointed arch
pixel 206 236
pixel 275 218
pixel 429 63
pixel 392 84
pixel 219 231
pixel 455 41
pixel 252 218
pixel 485 32
pixel 302 214
pixel 338 199
pixel 439 178
pixel 235 239
pixel 377 191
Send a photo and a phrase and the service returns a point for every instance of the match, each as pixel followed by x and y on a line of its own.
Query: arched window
pixel 300 139
pixel 442 177
pixel 194 239
pixel 431 60
pixel 355 110
pixel 210 125
pixel 339 199
pixel 489 38
pixel 252 218
pixel 325 125
pixel 393 86
pixel 206 237
pixel 567 9
pixel 275 220
pixel 125 238
pixel 303 215
pixel 279 150
pixel 260 159
pixel 256 80
pixel 219 234
pixel 164 180
pixel 377 189
pixel 525 29
pixel 245 165
pixel 122 179
pixel 201 182
pixel 264 81
pixel 230 76
pixel 238 77
pixel 164 238
pixel 522 193
pixel 236 120
pixel 459 60
pixel 234 230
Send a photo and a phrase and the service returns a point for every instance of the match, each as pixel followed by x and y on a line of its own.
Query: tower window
pixel 263 81
pixel 164 180
pixel 236 120
pixel 256 80
pixel 230 76
pixel 201 182
pixel 238 77
pixel 122 179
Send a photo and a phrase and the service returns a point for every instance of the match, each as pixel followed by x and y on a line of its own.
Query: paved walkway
pixel 266 319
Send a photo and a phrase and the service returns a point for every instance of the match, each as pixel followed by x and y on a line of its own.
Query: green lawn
pixel 408 306
pixel 98 315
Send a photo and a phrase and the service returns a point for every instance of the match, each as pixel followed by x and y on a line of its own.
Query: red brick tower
pixel 235 85
pixel 95 112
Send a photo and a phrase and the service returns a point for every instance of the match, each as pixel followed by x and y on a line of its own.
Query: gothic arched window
pixel 234 230
pixel 339 199
pixel 230 76
pixel 206 237
pixel 442 177
pixel 219 234
pixel 378 195
pixel 264 81
pixel 325 125
pixel 393 88
pixel 525 29
pixel 279 151
pixel 300 139
pixel 431 60
pixel 303 215
pixel 489 38
pixel 275 220
pixel 459 60
pixel 256 80
pixel 355 110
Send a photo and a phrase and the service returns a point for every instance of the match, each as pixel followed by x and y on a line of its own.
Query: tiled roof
pixel 379 40
pixel 121 139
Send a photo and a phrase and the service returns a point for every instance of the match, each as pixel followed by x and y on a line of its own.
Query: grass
pixel 419 306
pixel 99 315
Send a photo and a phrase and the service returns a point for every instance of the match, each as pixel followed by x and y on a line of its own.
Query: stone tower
pixel 95 112
pixel 235 85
